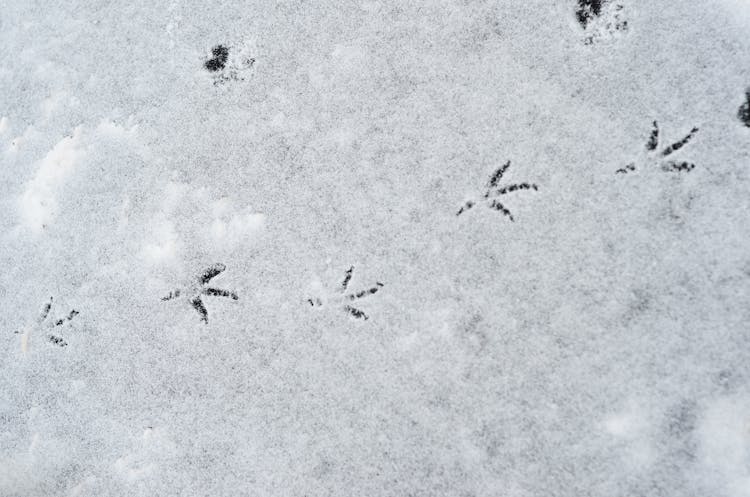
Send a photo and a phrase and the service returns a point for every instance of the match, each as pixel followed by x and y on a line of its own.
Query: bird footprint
pixel 494 191
pixel 54 325
pixel 226 67
pixel 195 292
pixel 653 155
pixel 343 299
pixel 601 19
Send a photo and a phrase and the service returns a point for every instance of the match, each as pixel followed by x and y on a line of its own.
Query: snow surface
pixel 596 345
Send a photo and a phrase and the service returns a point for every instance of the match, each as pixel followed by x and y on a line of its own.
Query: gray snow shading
pixel 596 345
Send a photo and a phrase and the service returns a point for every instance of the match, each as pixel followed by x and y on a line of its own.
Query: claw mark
pixel 356 313
pixel 347 278
pixel 215 292
pixel 678 166
pixel 678 145
pixel 743 113
pixel 198 289
pixel 468 205
pixel 511 189
pixel 364 293
pixel 652 156
pixel 653 139
pixel 58 341
pixel 70 316
pixel 495 205
pixel 45 310
pixel 172 295
pixel 211 272
pixel 497 175
pixel 342 297
pixel 197 304
pixel 494 191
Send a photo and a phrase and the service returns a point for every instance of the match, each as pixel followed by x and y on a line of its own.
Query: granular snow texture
pixel 373 248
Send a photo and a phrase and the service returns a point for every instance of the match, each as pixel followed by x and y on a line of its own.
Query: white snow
pixel 38 206
pixel 597 344
pixel 724 444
